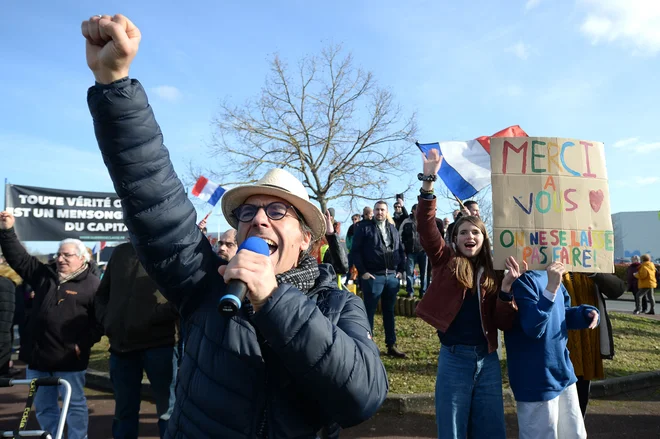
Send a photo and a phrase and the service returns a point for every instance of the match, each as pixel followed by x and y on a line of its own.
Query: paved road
pixel 631 415
pixel 627 304
pixel 620 305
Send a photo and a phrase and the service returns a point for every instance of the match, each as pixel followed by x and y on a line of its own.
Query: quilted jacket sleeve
pixel 160 218
pixel 337 365
pixel 18 258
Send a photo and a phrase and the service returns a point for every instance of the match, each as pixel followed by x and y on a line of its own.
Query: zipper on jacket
pixel 262 429
pixel 261 432
pixel 481 316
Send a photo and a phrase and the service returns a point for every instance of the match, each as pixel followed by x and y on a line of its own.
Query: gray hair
pixel 81 250
pixel 635 258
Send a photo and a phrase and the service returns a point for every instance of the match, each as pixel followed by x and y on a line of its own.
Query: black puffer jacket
pixel 7 289
pixel 62 314
pixel 299 363
pixel 134 314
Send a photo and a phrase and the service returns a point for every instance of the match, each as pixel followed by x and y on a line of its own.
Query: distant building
pixel 636 233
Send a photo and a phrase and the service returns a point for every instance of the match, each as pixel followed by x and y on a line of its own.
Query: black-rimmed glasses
pixel 275 211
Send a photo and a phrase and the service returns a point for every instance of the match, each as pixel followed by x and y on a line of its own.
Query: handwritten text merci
pixel 555 156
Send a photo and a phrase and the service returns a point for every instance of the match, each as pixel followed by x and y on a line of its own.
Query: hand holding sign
pixel 555 272
pixel 514 273
pixel 6 220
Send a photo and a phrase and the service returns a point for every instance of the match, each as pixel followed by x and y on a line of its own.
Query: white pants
pixel 559 418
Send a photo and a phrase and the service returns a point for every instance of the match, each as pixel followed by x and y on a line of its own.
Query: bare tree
pixel 326 121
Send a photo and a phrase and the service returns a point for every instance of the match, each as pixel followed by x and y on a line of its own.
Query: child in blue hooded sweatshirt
pixel 540 370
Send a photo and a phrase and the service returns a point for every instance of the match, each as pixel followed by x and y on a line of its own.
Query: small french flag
pixel 465 168
pixel 98 247
pixel 208 191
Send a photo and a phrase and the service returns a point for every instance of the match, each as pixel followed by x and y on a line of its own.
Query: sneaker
pixel 392 351
pixel 636 312
pixel 650 313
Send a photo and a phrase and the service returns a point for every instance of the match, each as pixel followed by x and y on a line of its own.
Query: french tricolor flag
pixel 465 167
pixel 207 191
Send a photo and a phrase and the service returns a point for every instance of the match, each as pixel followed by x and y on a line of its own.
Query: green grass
pixel 98 359
pixel 636 344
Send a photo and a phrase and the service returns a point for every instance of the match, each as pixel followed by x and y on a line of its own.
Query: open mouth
pixel 470 245
pixel 271 245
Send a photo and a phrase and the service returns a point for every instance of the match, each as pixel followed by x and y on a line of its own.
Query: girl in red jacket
pixel 467 302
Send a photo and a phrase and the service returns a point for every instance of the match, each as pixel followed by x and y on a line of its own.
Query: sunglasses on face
pixel 275 211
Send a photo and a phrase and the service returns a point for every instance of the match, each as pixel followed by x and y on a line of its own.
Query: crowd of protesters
pixel 298 358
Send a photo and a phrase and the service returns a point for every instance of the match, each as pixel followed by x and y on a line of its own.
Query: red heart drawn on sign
pixel 596 199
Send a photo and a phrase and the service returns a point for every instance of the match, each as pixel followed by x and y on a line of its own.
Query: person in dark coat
pixel 588 348
pixel 400 213
pixel 7 291
pixel 140 324
pixel 298 355
pixel 380 259
pixel 22 314
pixel 63 327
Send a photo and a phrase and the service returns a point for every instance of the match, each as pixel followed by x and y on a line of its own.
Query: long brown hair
pixel 466 269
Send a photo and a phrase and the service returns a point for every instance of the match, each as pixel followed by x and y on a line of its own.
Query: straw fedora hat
pixel 277 183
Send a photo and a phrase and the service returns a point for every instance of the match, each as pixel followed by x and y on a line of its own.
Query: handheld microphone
pixel 231 302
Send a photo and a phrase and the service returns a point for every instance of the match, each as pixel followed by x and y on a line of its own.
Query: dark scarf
pixel 303 276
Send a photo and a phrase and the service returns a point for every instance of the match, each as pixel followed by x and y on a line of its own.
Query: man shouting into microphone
pixel 298 355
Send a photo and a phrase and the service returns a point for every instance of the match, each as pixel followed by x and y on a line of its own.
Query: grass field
pixel 636 344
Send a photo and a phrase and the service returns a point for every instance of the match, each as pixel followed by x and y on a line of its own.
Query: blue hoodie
pixel 537 358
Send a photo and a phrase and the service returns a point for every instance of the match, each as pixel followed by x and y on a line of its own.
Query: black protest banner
pixel 52 214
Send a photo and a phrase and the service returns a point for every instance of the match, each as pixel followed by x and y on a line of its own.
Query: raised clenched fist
pixel 6 220
pixel 111 45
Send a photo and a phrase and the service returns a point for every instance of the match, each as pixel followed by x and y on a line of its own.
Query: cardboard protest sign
pixel 551 203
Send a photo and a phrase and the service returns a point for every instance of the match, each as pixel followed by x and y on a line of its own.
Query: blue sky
pixel 585 69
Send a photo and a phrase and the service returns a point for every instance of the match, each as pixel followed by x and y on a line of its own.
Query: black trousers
pixel 583 387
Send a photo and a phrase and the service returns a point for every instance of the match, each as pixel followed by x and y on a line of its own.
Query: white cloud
pixel 634 144
pixel 531 4
pixel 167 92
pixel 520 49
pixel 635 182
pixel 645 181
pixel 635 24
pixel 647 147
pixel 625 142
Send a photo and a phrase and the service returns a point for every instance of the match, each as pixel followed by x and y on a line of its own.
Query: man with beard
pixel 226 245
